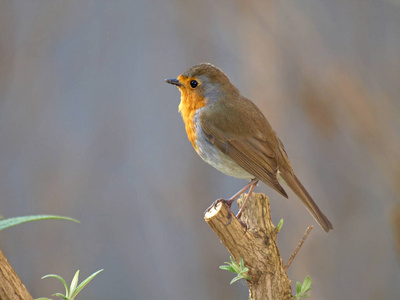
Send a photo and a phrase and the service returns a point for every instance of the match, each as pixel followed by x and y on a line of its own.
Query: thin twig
pixel 298 248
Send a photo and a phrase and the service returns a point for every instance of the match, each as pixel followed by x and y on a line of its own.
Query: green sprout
pixel 279 226
pixel 302 289
pixel 73 290
pixel 240 269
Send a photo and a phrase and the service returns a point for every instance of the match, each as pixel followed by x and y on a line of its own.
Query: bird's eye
pixel 194 84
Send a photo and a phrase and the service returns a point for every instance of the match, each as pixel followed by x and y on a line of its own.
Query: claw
pixel 229 202
pixel 218 201
pixel 229 216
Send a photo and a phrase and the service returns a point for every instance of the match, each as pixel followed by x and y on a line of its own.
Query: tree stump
pixel 256 245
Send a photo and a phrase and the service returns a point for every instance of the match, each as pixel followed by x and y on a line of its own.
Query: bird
pixel 229 132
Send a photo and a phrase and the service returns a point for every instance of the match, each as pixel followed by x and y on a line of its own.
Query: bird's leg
pixel 239 214
pixel 229 201
pixel 234 197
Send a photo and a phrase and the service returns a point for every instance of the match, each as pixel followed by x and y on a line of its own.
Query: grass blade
pixel 6 223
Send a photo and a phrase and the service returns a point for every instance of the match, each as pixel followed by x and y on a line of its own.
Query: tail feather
pixel 295 184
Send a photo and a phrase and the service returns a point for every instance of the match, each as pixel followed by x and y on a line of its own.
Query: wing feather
pixel 252 154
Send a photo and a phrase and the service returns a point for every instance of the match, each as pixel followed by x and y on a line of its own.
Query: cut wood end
pixel 212 211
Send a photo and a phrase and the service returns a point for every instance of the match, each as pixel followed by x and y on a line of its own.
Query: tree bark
pixel 11 287
pixel 257 246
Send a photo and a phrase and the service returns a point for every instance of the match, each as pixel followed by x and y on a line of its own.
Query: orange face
pixel 192 99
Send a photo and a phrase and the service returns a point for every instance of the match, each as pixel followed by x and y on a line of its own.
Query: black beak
pixel 173 81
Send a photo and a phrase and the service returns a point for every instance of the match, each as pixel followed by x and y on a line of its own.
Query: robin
pixel 230 133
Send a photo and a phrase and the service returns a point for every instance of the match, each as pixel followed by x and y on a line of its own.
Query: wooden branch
pixel 257 246
pixel 11 287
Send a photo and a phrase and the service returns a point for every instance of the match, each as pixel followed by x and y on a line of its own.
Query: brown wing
pixel 239 129
pixel 243 137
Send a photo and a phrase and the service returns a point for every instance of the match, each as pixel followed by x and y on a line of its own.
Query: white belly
pixel 216 158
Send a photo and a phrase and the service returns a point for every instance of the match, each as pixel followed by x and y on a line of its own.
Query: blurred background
pixel 89 129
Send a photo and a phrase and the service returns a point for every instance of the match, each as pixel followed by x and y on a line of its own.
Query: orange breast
pixel 190 103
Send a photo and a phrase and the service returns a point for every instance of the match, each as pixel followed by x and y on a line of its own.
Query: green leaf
pixel 234 265
pixel 298 287
pixel 72 292
pixel 227 268
pixel 242 263
pixel 84 283
pixel 239 269
pixel 61 295
pixel 59 278
pixel 302 289
pixel 43 298
pixel 279 226
pixel 306 286
pixel 235 279
pixel 74 283
pixel 19 220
